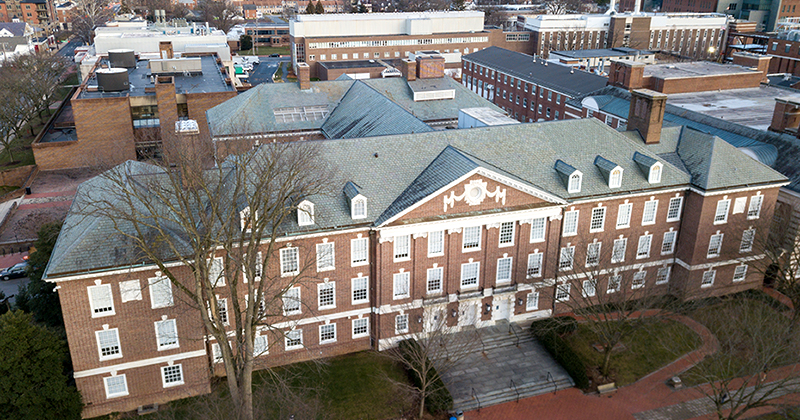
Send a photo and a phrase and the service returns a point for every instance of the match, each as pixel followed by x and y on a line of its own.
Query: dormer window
pixel 655 174
pixel 574 183
pixel 615 179
pixel 244 219
pixel 649 166
pixel 305 213
pixel 358 207
pixel 610 170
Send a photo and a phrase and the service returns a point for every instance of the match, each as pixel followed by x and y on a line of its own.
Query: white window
pixel 216 352
pixel 504 270
pixel 435 243
pixel 593 254
pixel 359 208
pixel 721 215
pixel 571 223
pixel 739 204
pixel 434 281
pixel 643 250
pixel 360 327
pixel 662 275
pixel 615 178
pixel 293 339
pixel 562 292
pixel 598 219
pixel 290 262
pixel 715 245
pixel 537 229
pixel 172 375
pixel 532 301
pixel 566 257
pixel 668 243
pixel 326 257
pixel 401 324
pixel 222 306
pixel 100 300
pixel 649 214
pixel 326 295
pixel 674 209
pixel 740 272
pixel 291 301
pixel 360 290
pixel 116 386
pixel 507 234
pixel 305 213
pixel 469 274
pixel 638 279
pixel 108 344
pixel 754 211
pixel 260 345
pixel 358 251
pixel 618 253
pixel 216 272
pixel 589 287
pixel 655 174
pixel 259 268
pixel 130 290
pixel 748 237
pixel 327 333
pixel 401 247
pixel 574 182
pixel 614 283
pixel 708 278
pixel 401 285
pixel 166 334
pixel 624 215
pixel 535 265
pixel 160 292
pixel 472 238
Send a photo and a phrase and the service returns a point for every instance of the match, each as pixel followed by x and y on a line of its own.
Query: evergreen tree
pixel 318 9
pixel 39 297
pixel 310 9
pixel 33 385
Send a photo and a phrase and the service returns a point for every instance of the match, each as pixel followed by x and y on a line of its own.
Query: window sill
pixel 116 356
pixel 404 259
pixel 441 254
pixel 752 217
pixel 325 308
pixel 327 342
pixel 117 395
pixel 673 220
pixel 293 273
pixel 623 227
pixel 596 230
pixel 102 314
pixel 170 347
pixel 721 222
pixel 465 250
pixel 401 297
pixel 320 270
pixel 712 256
pixel 359 302
pixel 359 264
pixel 294 348
pixel 648 223
pixel 569 234
pixel 505 245
pixel 704 286
pixel 642 257
pixel 171 384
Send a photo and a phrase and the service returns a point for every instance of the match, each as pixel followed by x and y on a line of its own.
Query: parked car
pixel 275 55
pixel 15 271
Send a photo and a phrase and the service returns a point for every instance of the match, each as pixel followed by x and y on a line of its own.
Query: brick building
pixel 529 89
pixel 130 111
pixel 38 13
pixel 444 230
pixel 273 32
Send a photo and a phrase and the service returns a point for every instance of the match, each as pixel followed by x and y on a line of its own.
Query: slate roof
pixel 552 76
pixel 252 111
pixel 363 112
pixel 777 150
pixel 16 28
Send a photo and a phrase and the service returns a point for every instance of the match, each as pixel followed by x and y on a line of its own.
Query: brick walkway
pixel 650 398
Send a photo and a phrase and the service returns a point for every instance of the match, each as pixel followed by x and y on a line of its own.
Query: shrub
pixel 440 399
pixel 560 325
pixel 548 332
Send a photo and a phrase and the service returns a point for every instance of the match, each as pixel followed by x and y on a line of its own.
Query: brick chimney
pixel 165 48
pixel 757 62
pixel 786 115
pixel 304 76
pixel 409 69
pixel 646 114
pixel 626 74
pixel 430 67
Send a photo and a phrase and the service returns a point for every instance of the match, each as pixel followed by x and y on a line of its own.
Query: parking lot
pixel 11 287
pixel 263 72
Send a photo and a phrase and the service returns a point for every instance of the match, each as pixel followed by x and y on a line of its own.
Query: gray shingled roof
pixel 252 111
pixel 552 76
pixel 16 28
pixel 363 112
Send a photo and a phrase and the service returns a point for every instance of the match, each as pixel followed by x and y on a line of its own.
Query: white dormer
pixel 243 216
pixel 615 179
pixel 655 173
pixel 305 213
pixel 358 207
pixel 610 170
pixel 572 177
pixel 651 167
pixel 575 182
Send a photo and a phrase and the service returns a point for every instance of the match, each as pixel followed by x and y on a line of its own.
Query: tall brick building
pixel 476 225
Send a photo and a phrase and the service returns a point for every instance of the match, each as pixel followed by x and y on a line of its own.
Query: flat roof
pixel 354 64
pixel 602 52
pixel 211 80
pixel 692 69
pixel 751 107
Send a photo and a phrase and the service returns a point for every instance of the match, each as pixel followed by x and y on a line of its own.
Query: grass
pixel 266 51
pixel 278 77
pixel 645 349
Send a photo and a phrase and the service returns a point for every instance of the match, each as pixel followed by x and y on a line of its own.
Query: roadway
pixel 69 49
pixel 263 72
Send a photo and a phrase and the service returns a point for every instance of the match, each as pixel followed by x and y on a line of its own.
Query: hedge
pixel 440 399
pixel 548 332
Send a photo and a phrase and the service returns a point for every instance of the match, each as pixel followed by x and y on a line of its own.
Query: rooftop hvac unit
pixel 112 80
pixel 122 58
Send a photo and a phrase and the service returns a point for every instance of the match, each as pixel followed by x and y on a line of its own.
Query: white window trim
pixel 403 331
pixel 320 287
pixel 719 249
pixel 758 209
pixel 297 261
pixel 577 219
pixel 629 212
pixel 599 250
pixel 220 280
pixel 649 247
pixel 331 340
pixel 332 256
pixel 353 289
pixel 717 211
pixel 574 188
pixel 397 240
pixel 666 279
pixel 744 275
pixel 477 277
pixel 430 237
pixel 353 202
pixel 528 266
pixel 464 239
pixel 544 230
pixel 92 303
pixel 604 210
pixel 428 277
pixel 100 349
pixel 158 340
pixel 713 274
pixel 352 254
pixel 286 345
pixel 305 210
pixel 752 241
pixel 299 304
pixel 353 330
pixel 643 275
pixel 565 288
pixel 654 203
pixel 151 283
pixel 654 176
pixel 570 251
pixel 611 280
pixel 614 181
pixel 680 209
pixel 164 376
pixel 624 250
pixel 129 291
pixel 498 280
pixel 672 245
pixel 118 394
pixel 266 344
pixel 528 306
pixel 593 284
pixel 500 235
pixel 402 276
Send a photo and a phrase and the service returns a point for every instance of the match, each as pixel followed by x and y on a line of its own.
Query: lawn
pixel 645 349
pixel 266 51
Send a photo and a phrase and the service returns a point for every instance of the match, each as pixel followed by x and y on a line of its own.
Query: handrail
pixel 511 328
pixel 551 379
pixel 475 397
pixel 513 385
pixel 483 345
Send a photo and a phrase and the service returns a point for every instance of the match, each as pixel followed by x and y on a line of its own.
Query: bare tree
pixel 753 340
pixel 433 352
pixel 221 14
pixel 88 15
pixel 556 7
pixel 781 248
pixel 212 231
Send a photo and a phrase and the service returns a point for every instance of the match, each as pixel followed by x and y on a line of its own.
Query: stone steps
pixel 510 394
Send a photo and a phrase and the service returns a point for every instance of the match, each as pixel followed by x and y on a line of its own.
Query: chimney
pixel 304 76
pixel 430 67
pixel 786 115
pixel 165 47
pixel 626 74
pixel 409 69
pixel 646 114
pixel 756 62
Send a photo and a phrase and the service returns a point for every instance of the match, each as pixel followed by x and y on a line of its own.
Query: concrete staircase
pixel 511 365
